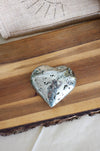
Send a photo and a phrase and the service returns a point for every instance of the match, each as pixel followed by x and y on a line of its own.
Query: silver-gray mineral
pixel 53 84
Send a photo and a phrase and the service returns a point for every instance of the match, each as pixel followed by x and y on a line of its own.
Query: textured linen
pixel 78 135
pixel 20 142
pixel 25 16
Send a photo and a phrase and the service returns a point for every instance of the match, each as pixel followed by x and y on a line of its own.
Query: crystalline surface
pixel 53 84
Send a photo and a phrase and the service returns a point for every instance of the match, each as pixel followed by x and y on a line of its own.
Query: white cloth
pixel 77 135
pixel 20 142
pixel 25 16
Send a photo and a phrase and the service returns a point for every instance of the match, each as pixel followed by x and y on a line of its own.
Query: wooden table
pixel 76 46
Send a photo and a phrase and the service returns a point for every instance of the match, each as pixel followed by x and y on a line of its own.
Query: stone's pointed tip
pixel 51 105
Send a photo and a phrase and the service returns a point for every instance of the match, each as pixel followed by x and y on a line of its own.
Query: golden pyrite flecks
pixel 53 83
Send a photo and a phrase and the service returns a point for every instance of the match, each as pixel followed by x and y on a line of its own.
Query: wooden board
pixel 77 46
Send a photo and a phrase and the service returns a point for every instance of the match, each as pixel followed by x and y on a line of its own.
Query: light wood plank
pixel 51 113
pixel 52 59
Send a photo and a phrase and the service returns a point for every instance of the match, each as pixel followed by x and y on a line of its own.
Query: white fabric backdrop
pixel 23 16
pixel 77 135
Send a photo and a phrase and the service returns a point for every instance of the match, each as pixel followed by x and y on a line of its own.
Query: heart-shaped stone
pixel 53 84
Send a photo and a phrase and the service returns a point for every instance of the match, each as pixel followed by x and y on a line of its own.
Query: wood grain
pixel 21 105
pixel 49 42
pixel 23 110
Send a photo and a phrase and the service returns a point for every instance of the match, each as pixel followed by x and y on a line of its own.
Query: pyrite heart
pixel 53 84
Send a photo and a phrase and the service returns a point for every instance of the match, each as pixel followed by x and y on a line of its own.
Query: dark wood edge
pixel 46 123
pixel 50 42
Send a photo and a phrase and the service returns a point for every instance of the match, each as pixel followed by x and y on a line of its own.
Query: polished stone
pixel 53 83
